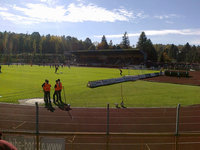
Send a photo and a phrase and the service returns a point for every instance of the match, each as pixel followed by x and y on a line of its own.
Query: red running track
pixel 129 120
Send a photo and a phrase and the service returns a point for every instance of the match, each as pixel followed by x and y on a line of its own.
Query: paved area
pixel 32 101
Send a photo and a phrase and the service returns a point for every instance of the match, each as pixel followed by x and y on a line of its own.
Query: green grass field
pixel 24 82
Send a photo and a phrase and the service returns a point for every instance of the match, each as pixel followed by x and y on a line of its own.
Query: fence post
pixel 107 128
pixel 177 126
pixel 37 126
pixel 177 119
pixel 108 109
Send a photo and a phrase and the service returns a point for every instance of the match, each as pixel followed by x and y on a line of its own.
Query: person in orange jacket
pixel 46 88
pixel 56 87
pixel 4 145
pixel 59 90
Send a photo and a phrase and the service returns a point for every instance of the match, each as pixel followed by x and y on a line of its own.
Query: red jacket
pixel 57 87
pixel 47 87
pixel 60 86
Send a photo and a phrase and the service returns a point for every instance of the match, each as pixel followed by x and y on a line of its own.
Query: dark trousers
pixel 55 96
pixel 59 96
pixel 47 98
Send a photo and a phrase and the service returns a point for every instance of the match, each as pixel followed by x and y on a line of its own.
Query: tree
pixel 87 43
pixel 103 44
pixel 5 40
pixel 40 45
pixel 36 36
pixel 125 41
pixel 141 42
pixel 92 47
pixel 34 47
pixel 146 46
pixel 164 57
pixel 173 52
pixel 183 55
pixel 110 44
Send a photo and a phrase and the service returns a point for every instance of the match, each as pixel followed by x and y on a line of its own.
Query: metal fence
pixel 37 140
pixel 102 141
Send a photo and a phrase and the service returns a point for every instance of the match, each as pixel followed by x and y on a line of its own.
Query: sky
pixel 163 21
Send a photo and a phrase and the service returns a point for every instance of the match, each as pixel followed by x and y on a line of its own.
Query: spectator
pixel 4 145
pixel 56 87
pixel 59 90
pixel 46 88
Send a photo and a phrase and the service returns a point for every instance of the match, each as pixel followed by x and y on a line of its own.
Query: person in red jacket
pixel 4 145
pixel 59 90
pixel 56 87
pixel 47 88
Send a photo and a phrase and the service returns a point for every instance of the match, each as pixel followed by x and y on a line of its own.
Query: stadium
pixel 99 75
pixel 150 118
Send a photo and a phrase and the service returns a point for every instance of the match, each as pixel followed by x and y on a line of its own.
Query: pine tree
pixel 146 46
pixel 125 41
pixel 103 44
pixel 142 40
pixel 110 44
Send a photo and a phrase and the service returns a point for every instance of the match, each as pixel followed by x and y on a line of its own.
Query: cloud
pixel 169 16
pixel 42 13
pixel 156 33
pixel 47 12
pixel 49 2
pixel 178 32
pixel 3 9
pixel 91 12
pixel 17 19
pixel 195 42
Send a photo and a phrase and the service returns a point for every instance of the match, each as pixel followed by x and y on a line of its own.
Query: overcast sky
pixel 164 21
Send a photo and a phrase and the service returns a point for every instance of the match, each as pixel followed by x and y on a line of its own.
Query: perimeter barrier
pixel 40 140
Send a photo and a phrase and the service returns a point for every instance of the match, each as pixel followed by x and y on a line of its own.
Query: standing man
pixel 59 90
pixel 120 70
pixel 47 88
pixel 56 87
pixel 56 68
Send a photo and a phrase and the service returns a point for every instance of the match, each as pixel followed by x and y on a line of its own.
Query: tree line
pixel 35 44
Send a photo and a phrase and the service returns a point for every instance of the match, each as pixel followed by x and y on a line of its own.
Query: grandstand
pixel 108 58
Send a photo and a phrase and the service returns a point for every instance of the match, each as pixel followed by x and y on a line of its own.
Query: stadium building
pixel 107 58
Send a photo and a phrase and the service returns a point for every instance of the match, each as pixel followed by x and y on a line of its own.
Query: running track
pixel 130 120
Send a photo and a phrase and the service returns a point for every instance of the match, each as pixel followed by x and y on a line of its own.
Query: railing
pixel 39 140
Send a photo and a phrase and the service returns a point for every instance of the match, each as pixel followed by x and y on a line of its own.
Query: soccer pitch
pixel 24 82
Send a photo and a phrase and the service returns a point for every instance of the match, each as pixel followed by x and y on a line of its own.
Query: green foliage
pixel 146 45
pixel 88 45
pixel 181 53
pixel 103 44
pixel 125 41
pixel 12 43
